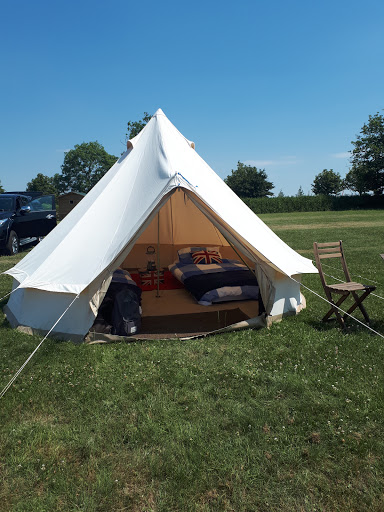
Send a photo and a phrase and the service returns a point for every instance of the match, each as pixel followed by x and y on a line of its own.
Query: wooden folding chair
pixel 335 250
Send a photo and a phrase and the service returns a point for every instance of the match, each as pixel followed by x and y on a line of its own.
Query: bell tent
pixel 160 193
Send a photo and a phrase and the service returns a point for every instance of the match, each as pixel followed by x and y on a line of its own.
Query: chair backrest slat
pixel 328 244
pixel 329 249
pixel 333 255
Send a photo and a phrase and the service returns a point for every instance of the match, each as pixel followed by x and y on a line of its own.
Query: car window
pixel 41 204
pixel 6 204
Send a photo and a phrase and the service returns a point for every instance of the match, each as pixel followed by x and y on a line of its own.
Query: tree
pixel 1 189
pixel 43 184
pixel 56 180
pixel 248 181
pixel 83 167
pixel 300 192
pixel 328 183
pixel 135 127
pixel 280 194
pixel 368 154
pixel 357 180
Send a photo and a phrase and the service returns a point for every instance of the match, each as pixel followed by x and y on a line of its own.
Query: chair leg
pixel 334 309
pixel 358 303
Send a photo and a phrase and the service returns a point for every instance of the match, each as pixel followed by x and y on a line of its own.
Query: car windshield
pixel 6 204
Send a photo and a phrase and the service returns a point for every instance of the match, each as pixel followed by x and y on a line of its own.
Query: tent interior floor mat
pixel 176 326
pixel 179 326
pixel 176 314
pixel 181 302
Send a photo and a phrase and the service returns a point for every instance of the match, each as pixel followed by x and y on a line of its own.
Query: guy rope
pixel 34 352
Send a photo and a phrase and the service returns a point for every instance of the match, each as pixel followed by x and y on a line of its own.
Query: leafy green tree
pixel 357 179
pixel 328 183
pixel 135 127
pixel 368 154
pixel 43 184
pixel 56 180
pixel 281 194
pixel 1 189
pixel 83 167
pixel 300 192
pixel 248 181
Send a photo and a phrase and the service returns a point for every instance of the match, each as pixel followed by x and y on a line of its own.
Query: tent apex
pixel 158 113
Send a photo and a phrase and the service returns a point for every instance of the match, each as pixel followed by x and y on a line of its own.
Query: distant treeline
pixel 314 203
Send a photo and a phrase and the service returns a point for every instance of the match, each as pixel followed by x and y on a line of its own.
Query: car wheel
pixel 12 246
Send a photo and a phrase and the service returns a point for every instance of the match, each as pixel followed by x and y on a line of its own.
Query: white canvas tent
pixel 160 192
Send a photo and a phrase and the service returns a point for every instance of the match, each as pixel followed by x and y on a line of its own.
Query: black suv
pixel 24 218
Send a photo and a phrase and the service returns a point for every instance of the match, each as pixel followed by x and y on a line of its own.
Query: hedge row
pixel 313 203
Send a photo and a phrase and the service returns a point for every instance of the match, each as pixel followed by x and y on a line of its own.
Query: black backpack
pixel 126 317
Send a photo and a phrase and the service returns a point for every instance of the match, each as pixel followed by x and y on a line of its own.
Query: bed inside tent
pixel 168 309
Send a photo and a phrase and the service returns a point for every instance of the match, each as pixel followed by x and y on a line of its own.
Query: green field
pixel 281 419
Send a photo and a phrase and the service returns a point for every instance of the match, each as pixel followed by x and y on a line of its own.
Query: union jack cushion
pixel 185 255
pixel 206 257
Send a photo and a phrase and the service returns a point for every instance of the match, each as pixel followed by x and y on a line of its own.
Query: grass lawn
pixel 281 419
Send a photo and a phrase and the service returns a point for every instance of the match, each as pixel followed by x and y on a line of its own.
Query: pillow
pixel 185 254
pixel 206 257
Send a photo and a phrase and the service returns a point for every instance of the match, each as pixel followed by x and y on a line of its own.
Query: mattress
pixel 217 282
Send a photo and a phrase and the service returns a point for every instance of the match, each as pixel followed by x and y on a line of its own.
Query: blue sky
pixel 283 85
